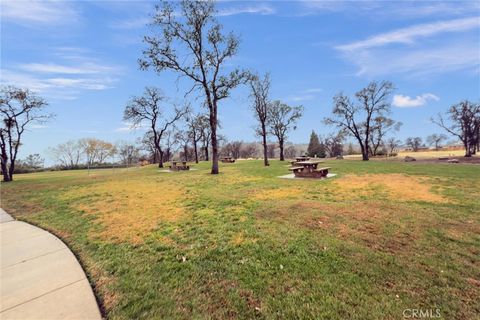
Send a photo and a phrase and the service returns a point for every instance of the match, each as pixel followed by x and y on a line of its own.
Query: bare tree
pixel 271 150
pixel 436 139
pixel 248 150
pixel 147 144
pixel 392 145
pixel 290 152
pixel 183 139
pixel 357 118
pixel 191 44
pixel 128 152
pixel 282 118
pixel 260 88
pixel 68 154
pixel 96 150
pixel 147 110
pixel 414 143
pixel 19 108
pixel 233 149
pixel 464 123
pixel 381 126
pixel 334 144
pixel 197 125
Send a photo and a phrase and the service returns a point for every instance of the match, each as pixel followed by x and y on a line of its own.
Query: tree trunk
pixel 185 151
pixel 280 142
pixel 195 149
pixel 213 126
pixel 160 163
pixel 11 169
pixel 5 172
pixel 206 152
pixel 265 147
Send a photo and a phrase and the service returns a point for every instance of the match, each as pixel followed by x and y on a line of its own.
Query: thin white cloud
pixel 402 101
pixel 410 34
pixel 313 90
pixel 262 8
pixel 85 68
pixel 38 12
pixel 128 127
pixel 63 80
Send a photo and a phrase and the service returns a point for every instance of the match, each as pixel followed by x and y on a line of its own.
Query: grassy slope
pixel 247 244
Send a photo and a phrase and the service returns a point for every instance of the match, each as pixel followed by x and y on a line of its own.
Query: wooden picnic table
pixel 176 167
pixel 227 160
pixel 309 169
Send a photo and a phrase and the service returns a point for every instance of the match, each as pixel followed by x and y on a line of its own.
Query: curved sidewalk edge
pixel 40 278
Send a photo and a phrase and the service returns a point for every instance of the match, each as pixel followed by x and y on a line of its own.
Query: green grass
pixel 246 244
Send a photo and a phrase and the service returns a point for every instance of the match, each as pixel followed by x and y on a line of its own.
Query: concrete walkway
pixel 40 278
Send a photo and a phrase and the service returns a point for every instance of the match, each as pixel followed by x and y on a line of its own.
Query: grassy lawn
pixel 378 238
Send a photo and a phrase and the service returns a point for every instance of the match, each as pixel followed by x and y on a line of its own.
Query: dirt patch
pixel 378 225
pixel 397 186
pixel 128 210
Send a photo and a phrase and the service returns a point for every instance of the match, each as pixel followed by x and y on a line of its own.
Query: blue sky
pixel 82 57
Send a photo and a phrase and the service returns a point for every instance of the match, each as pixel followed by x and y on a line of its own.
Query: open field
pixel 431 154
pixel 378 238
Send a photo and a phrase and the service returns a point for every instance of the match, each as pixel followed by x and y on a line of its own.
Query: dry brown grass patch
pixel 398 186
pixel 129 210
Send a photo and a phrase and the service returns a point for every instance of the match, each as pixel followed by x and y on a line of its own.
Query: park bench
pixel 177 167
pixel 309 169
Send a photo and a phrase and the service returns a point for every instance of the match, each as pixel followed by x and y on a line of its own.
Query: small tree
pixel 464 124
pixel 19 108
pixel 315 148
pixel 392 145
pixel 436 139
pixel 128 152
pixel 282 118
pixel 380 127
pixel 357 119
pixel 290 152
pixel 31 163
pixel 271 150
pixel 68 154
pixel 197 124
pixel 191 44
pixel 333 144
pixel 96 150
pixel 414 143
pixel 147 110
pixel 260 88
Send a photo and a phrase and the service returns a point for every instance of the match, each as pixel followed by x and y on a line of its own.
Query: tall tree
pixel 19 108
pixel 357 119
pixel 190 43
pixel 436 140
pixel 147 109
pixel 260 88
pixel 282 118
pixel 464 124
pixel 315 148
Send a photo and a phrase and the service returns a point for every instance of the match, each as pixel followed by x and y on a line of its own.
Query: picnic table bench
pixel 227 160
pixel 309 169
pixel 177 167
